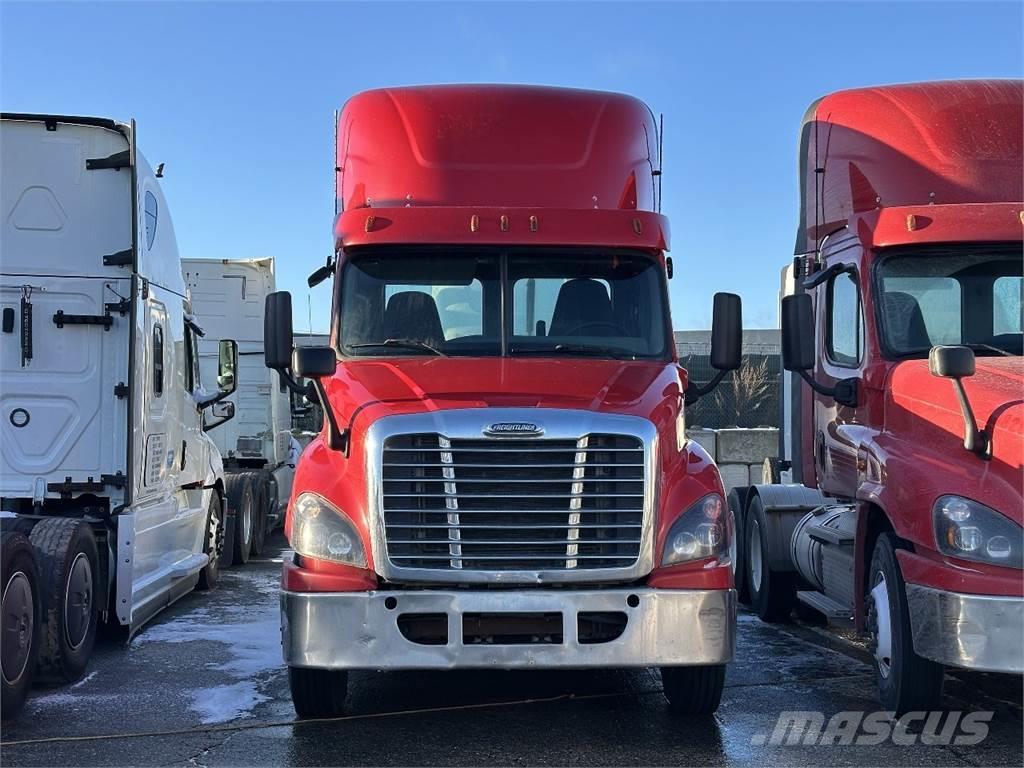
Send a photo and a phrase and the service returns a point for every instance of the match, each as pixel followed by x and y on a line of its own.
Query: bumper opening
pixel 424 628
pixel 600 626
pixel 512 628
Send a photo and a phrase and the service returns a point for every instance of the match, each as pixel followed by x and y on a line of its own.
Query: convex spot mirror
pixel 219 413
pixel 313 362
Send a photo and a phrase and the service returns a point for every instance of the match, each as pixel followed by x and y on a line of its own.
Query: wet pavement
pixel 203 685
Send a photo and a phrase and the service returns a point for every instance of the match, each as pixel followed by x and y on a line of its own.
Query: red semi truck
pixel 503 479
pixel 903 434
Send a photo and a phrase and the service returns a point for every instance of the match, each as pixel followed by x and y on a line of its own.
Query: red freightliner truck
pixel 503 479
pixel 903 433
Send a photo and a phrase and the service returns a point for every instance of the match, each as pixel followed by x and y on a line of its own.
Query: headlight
pixel 704 530
pixel 321 531
pixel 971 531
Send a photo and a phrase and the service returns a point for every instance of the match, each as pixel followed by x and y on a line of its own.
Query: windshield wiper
pixel 405 343
pixel 616 353
pixel 978 346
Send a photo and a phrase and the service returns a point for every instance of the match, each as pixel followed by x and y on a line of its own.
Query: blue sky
pixel 237 99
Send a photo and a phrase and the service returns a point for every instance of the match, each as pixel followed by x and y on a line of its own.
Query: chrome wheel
pixel 755 554
pixel 882 624
pixel 18 624
pixel 78 601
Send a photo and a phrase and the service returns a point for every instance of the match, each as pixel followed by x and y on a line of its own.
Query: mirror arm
pixel 844 392
pixel 693 392
pixel 336 440
pixel 975 440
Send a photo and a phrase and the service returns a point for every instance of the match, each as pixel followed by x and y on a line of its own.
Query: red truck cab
pixel 906 417
pixel 503 479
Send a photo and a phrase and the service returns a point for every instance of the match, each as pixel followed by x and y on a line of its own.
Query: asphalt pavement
pixel 204 685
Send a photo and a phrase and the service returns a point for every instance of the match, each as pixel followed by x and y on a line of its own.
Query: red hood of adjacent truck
pixel 924 410
pixel 409 385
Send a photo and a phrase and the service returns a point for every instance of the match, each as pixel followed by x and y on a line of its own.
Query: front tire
pixel 20 620
pixel 69 577
pixel 739 559
pixel 261 486
pixel 318 692
pixel 213 544
pixel 906 682
pixel 693 690
pixel 772 593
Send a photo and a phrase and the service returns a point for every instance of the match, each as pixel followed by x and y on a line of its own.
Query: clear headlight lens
pixel 322 531
pixel 703 531
pixel 971 531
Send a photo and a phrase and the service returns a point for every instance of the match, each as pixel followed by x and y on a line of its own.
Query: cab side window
pixel 844 328
pixel 191 359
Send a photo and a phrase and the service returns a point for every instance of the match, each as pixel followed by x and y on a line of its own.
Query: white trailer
pixel 228 295
pixel 105 467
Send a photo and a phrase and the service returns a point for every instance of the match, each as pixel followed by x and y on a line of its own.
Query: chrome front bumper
pixel 356 630
pixel 971 631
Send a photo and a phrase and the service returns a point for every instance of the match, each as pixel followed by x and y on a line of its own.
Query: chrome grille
pixel 513 504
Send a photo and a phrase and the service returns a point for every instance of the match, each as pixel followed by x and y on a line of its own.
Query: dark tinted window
pixel 151 217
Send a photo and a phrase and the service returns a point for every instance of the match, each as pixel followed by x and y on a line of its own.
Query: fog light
pixel 339 544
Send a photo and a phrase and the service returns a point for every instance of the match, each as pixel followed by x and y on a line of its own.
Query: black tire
pixel 21 616
pixel 213 544
pixel 908 683
pixel 260 519
pixel 772 594
pixel 69 582
pixel 739 562
pixel 693 690
pixel 318 692
pixel 242 498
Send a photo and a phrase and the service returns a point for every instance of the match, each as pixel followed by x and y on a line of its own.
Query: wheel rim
pixel 18 624
pixel 247 522
pixel 212 531
pixel 78 601
pixel 883 625
pixel 755 555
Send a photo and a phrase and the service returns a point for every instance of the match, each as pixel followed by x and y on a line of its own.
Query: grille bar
pixel 493 504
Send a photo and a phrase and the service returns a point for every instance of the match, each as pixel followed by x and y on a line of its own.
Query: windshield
pixel 953 295
pixel 487 303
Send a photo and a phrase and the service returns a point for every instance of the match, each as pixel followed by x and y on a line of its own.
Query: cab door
pixel 841 355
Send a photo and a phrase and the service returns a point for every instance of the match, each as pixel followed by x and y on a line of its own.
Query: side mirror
pixel 726 332
pixel 956 363
pixel 277 330
pixel 227 367
pixel 314 362
pixel 951 362
pixel 797 333
pixel 219 413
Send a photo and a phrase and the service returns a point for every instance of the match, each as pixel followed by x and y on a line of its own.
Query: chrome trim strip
pixel 357 630
pixel 981 632
pixel 469 424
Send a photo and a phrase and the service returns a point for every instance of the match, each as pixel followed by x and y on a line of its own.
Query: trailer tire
pixel 69 575
pixel 772 593
pixel 739 562
pixel 693 690
pixel 906 682
pixel 21 615
pixel 213 544
pixel 261 516
pixel 318 692
pixel 242 499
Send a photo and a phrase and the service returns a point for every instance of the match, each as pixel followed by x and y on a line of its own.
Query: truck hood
pixel 926 409
pixel 408 385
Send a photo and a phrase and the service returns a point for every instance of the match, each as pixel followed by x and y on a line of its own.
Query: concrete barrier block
pixel 747 446
pixel 756 473
pixel 706 438
pixel 734 475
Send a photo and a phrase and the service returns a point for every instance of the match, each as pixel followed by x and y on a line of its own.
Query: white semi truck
pixel 257 446
pixel 112 493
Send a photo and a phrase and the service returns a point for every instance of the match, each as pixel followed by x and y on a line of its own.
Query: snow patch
pixel 223 703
